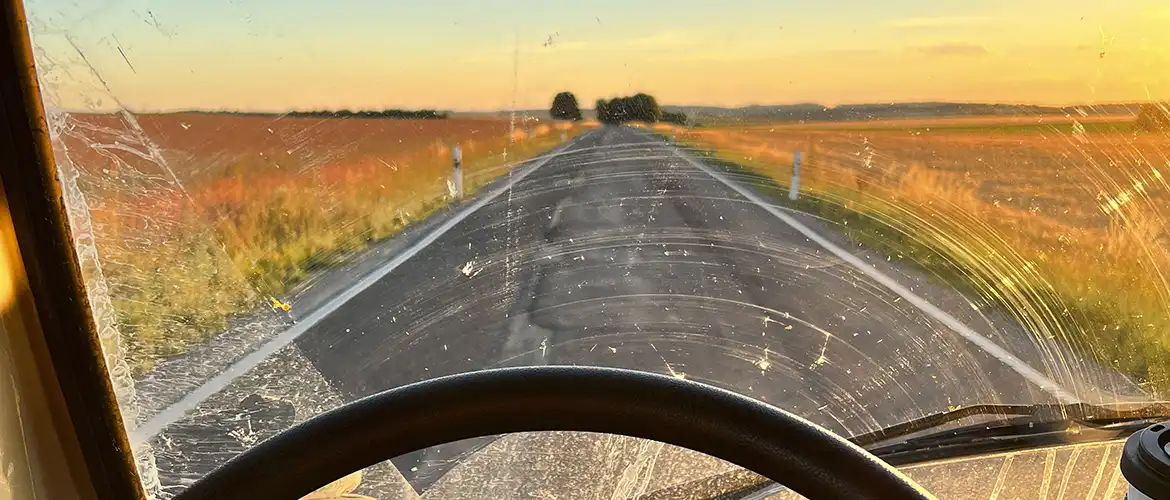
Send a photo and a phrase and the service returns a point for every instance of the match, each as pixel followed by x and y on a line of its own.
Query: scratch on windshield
pixel 290 212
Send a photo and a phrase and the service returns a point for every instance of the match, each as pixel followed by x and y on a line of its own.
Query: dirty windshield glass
pixel 861 214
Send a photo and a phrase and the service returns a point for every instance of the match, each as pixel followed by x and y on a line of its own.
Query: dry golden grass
pixel 1067 232
pixel 901 124
pixel 200 217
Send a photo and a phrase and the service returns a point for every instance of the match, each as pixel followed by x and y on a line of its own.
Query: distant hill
pixel 851 112
pixel 779 112
pixel 818 112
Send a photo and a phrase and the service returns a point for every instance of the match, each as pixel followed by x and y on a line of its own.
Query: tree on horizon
pixel 1153 117
pixel 639 107
pixel 564 107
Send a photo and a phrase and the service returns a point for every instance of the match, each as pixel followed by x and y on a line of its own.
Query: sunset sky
pixel 274 55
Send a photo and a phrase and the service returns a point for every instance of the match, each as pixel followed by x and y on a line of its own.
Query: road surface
pixel 624 251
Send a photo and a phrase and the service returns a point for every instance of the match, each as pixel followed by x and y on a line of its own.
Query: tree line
pixel 421 114
pixel 638 107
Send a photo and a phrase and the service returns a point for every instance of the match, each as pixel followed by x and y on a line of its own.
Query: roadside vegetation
pixel 202 217
pixel 1064 229
pixel 1153 117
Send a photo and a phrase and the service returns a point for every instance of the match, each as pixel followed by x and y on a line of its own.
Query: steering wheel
pixel 759 437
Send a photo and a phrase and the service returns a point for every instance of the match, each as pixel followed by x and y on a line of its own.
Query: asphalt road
pixel 623 251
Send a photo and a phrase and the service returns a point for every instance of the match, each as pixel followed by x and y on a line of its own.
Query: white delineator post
pixel 457 156
pixel 794 186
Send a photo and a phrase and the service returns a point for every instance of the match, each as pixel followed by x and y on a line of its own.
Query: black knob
pixel 1145 463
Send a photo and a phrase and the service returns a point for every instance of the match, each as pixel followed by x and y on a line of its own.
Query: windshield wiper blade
pixel 1013 435
pixel 1020 427
pixel 1075 412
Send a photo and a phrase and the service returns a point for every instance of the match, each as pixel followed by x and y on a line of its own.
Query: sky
pixel 277 55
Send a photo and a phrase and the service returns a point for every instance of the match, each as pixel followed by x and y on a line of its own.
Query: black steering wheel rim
pixel 759 437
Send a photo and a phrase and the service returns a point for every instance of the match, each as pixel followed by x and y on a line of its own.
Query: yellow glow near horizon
pixel 1019 55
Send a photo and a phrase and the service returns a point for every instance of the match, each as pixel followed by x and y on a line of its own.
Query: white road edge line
pixel 176 411
pixel 1007 358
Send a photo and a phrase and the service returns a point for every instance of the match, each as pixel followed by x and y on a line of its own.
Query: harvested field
pixel 1062 225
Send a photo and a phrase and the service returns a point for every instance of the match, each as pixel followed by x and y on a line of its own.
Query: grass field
pixel 200 217
pixel 1063 225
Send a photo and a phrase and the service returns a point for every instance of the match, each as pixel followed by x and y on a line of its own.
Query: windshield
pixel 861 214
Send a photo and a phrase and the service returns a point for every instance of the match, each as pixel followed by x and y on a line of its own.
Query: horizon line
pixel 505 110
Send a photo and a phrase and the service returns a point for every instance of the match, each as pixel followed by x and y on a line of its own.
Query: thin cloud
pixel 938 22
pixel 952 49
pixel 663 40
